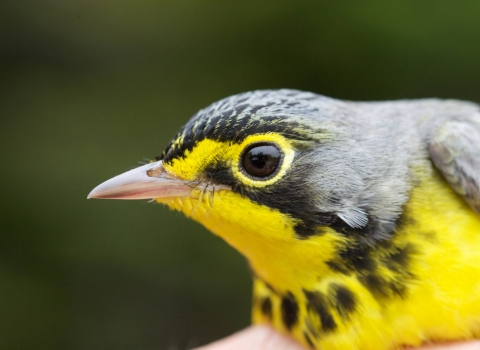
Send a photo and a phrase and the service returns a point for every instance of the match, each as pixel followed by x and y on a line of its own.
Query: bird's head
pixel 272 172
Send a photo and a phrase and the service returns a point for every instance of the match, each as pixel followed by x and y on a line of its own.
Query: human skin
pixel 265 338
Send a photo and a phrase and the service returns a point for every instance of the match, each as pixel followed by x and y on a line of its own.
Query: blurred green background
pixel 90 88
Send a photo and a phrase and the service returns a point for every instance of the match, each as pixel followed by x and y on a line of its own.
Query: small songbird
pixel 360 220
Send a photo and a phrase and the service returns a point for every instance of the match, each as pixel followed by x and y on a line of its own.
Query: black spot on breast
pixel 266 307
pixel 308 340
pixel 338 265
pixel 358 258
pixel 401 256
pixel 289 309
pixel 375 284
pixel 317 303
pixel 353 258
pixel 344 300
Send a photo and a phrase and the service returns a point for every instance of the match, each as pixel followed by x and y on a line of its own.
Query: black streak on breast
pixel 266 307
pixel 317 303
pixel 289 308
pixel 344 300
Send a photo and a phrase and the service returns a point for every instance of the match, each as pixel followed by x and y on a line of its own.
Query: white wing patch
pixel 354 217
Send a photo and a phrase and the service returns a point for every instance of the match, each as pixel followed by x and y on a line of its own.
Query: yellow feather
pixel 443 299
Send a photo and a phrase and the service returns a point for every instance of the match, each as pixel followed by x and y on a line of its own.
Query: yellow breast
pixel 435 297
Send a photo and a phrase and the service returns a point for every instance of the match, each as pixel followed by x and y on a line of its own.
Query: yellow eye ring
pixel 269 142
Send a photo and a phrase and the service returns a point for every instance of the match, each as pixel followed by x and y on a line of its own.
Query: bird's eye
pixel 261 160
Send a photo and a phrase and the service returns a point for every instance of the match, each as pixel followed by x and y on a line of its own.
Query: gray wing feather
pixel 455 151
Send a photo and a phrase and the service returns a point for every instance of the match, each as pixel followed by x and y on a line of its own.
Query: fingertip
pixel 255 338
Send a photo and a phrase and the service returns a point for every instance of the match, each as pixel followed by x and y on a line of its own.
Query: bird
pixel 360 220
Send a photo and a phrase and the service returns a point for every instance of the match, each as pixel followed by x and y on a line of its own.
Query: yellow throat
pixel 437 241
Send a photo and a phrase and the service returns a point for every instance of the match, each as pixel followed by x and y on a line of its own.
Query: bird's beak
pixel 145 182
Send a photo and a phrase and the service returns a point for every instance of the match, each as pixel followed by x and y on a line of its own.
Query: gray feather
pixel 455 151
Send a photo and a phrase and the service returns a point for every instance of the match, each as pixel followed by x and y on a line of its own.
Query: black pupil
pixel 261 161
